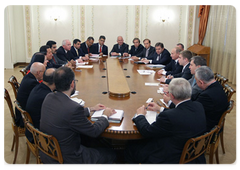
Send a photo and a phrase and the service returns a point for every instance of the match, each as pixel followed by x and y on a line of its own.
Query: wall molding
pixel 180 25
pixel 146 27
pixel 28 31
pixel 39 32
pixel 137 20
pixel 82 22
pixel 190 26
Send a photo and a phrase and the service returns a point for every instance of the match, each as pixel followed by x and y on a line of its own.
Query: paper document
pixel 85 66
pixel 94 56
pixel 163 102
pixel 75 94
pixel 145 72
pixel 79 101
pixel 155 65
pixel 151 84
pixel 151 116
pixel 115 118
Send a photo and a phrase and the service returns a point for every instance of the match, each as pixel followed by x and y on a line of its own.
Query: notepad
pixel 115 118
pixel 79 101
pixel 145 72
pixel 151 116
pixel 151 84
pixel 85 66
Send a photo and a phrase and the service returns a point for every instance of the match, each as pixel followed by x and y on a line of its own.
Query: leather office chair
pixel 221 79
pixel 17 131
pixel 195 147
pixel 30 146
pixel 217 135
pixel 24 71
pixel 15 85
pixel 47 144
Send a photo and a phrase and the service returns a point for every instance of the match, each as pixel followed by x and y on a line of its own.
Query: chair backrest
pixel 9 102
pixel 25 115
pixel 229 91
pixel 195 147
pixel 15 85
pixel 221 79
pixel 24 71
pixel 48 144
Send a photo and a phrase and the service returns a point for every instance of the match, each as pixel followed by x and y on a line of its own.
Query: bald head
pixel 120 40
pixel 48 76
pixel 37 69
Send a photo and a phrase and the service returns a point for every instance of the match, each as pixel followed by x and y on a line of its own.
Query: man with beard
pixel 67 121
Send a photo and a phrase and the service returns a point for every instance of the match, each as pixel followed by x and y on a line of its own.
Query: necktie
pixel 100 49
pixel 53 59
pixel 77 52
pixel 194 82
pixel 147 52
pixel 158 58
pixel 88 50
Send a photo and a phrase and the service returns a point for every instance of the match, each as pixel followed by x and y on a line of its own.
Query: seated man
pixel 148 50
pixel 67 120
pixel 213 98
pixel 53 46
pixel 181 46
pixel 36 97
pixel 161 55
pixel 173 67
pixel 166 137
pixel 77 51
pixel 137 48
pixel 28 83
pixel 196 62
pixel 120 49
pixel 100 48
pixel 46 50
pixel 184 60
pixel 87 46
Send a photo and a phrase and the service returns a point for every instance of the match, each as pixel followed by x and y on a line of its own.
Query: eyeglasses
pixel 166 92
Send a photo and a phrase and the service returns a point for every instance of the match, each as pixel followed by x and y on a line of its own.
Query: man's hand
pixel 153 107
pixel 97 107
pixel 141 110
pixel 109 112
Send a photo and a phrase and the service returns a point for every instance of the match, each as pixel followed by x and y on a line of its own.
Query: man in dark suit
pixel 67 121
pixel 100 48
pixel 64 53
pixel 213 98
pixel 28 83
pixel 196 62
pixel 161 55
pixel 166 137
pixel 36 97
pixel 148 50
pixel 87 46
pixel 77 51
pixel 53 47
pixel 184 60
pixel 137 48
pixel 173 67
pixel 120 48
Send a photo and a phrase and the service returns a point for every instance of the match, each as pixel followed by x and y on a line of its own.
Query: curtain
pixel 203 14
pixel 221 38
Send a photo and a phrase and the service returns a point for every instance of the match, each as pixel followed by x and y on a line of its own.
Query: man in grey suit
pixel 67 121
pixel 196 62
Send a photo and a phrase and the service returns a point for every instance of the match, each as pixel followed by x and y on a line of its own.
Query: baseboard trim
pixel 20 64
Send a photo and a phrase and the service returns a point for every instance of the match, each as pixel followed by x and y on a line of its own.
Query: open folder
pixel 115 118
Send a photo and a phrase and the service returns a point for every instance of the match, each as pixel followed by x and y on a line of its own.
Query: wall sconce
pixel 164 18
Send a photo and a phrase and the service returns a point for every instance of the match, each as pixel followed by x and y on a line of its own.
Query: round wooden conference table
pixel 94 87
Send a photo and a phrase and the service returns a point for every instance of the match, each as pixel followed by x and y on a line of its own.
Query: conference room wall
pixel 29 27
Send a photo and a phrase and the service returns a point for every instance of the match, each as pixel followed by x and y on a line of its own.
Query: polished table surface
pixel 93 89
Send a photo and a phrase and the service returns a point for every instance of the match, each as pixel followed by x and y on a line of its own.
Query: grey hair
pixel 180 88
pixel 204 73
pixel 64 42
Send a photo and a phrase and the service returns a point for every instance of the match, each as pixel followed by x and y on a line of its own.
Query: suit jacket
pixel 74 53
pixel 169 133
pixel 85 49
pixel 62 55
pixel 164 58
pixel 58 60
pixel 143 53
pixel 173 68
pixel 135 52
pixel 52 64
pixel 34 105
pixel 215 103
pixel 123 49
pixel 186 73
pixel 95 49
pixel 28 83
pixel 67 120
pixel 195 89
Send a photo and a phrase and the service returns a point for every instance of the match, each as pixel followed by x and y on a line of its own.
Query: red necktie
pixel 53 59
pixel 100 49
pixel 88 50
